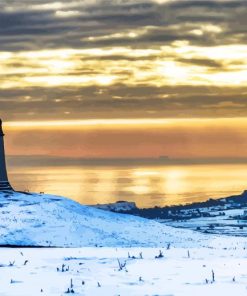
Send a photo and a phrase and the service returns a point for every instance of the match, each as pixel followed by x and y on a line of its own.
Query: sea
pixel 147 186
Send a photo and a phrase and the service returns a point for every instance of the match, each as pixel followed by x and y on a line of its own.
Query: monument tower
pixel 4 183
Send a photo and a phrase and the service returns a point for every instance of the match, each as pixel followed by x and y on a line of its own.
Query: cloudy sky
pixel 101 78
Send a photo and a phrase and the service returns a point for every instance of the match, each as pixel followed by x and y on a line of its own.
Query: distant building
pixel 4 183
pixel 119 206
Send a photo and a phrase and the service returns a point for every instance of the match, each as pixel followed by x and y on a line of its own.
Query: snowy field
pixel 96 271
pixel 227 224
pixel 103 253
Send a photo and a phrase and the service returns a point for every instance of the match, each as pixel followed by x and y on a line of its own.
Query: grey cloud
pixel 116 102
pixel 203 62
pixel 41 28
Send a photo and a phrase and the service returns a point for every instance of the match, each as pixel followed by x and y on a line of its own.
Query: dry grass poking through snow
pixel 120 271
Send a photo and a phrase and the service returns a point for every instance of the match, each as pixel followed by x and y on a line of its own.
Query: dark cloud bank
pixel 36 25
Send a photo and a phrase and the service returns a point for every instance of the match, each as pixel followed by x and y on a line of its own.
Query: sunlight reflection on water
pixel 147 186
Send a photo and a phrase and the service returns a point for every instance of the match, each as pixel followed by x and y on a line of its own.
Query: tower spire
pixel 4 183
pixel 1 128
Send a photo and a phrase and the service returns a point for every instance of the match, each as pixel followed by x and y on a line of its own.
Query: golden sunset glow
pixel 132 138
pixel 116 123
pixel 166 65
pixel 124 78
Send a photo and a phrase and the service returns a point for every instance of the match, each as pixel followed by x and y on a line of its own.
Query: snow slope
pixel 47 220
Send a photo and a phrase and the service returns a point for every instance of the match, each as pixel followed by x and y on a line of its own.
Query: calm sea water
pixel 147 186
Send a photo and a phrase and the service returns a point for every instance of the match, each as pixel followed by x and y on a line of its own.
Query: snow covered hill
pixel 193 263
pixel 47 220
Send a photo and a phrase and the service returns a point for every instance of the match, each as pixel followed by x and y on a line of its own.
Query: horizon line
pixel 114 121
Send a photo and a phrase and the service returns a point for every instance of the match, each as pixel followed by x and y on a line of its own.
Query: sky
pixel 124 78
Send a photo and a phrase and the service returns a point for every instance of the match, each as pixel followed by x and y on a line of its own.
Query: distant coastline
pixel 41 160
pixel 226 216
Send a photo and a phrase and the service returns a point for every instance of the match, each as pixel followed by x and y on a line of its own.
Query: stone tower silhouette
pixel 4 183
